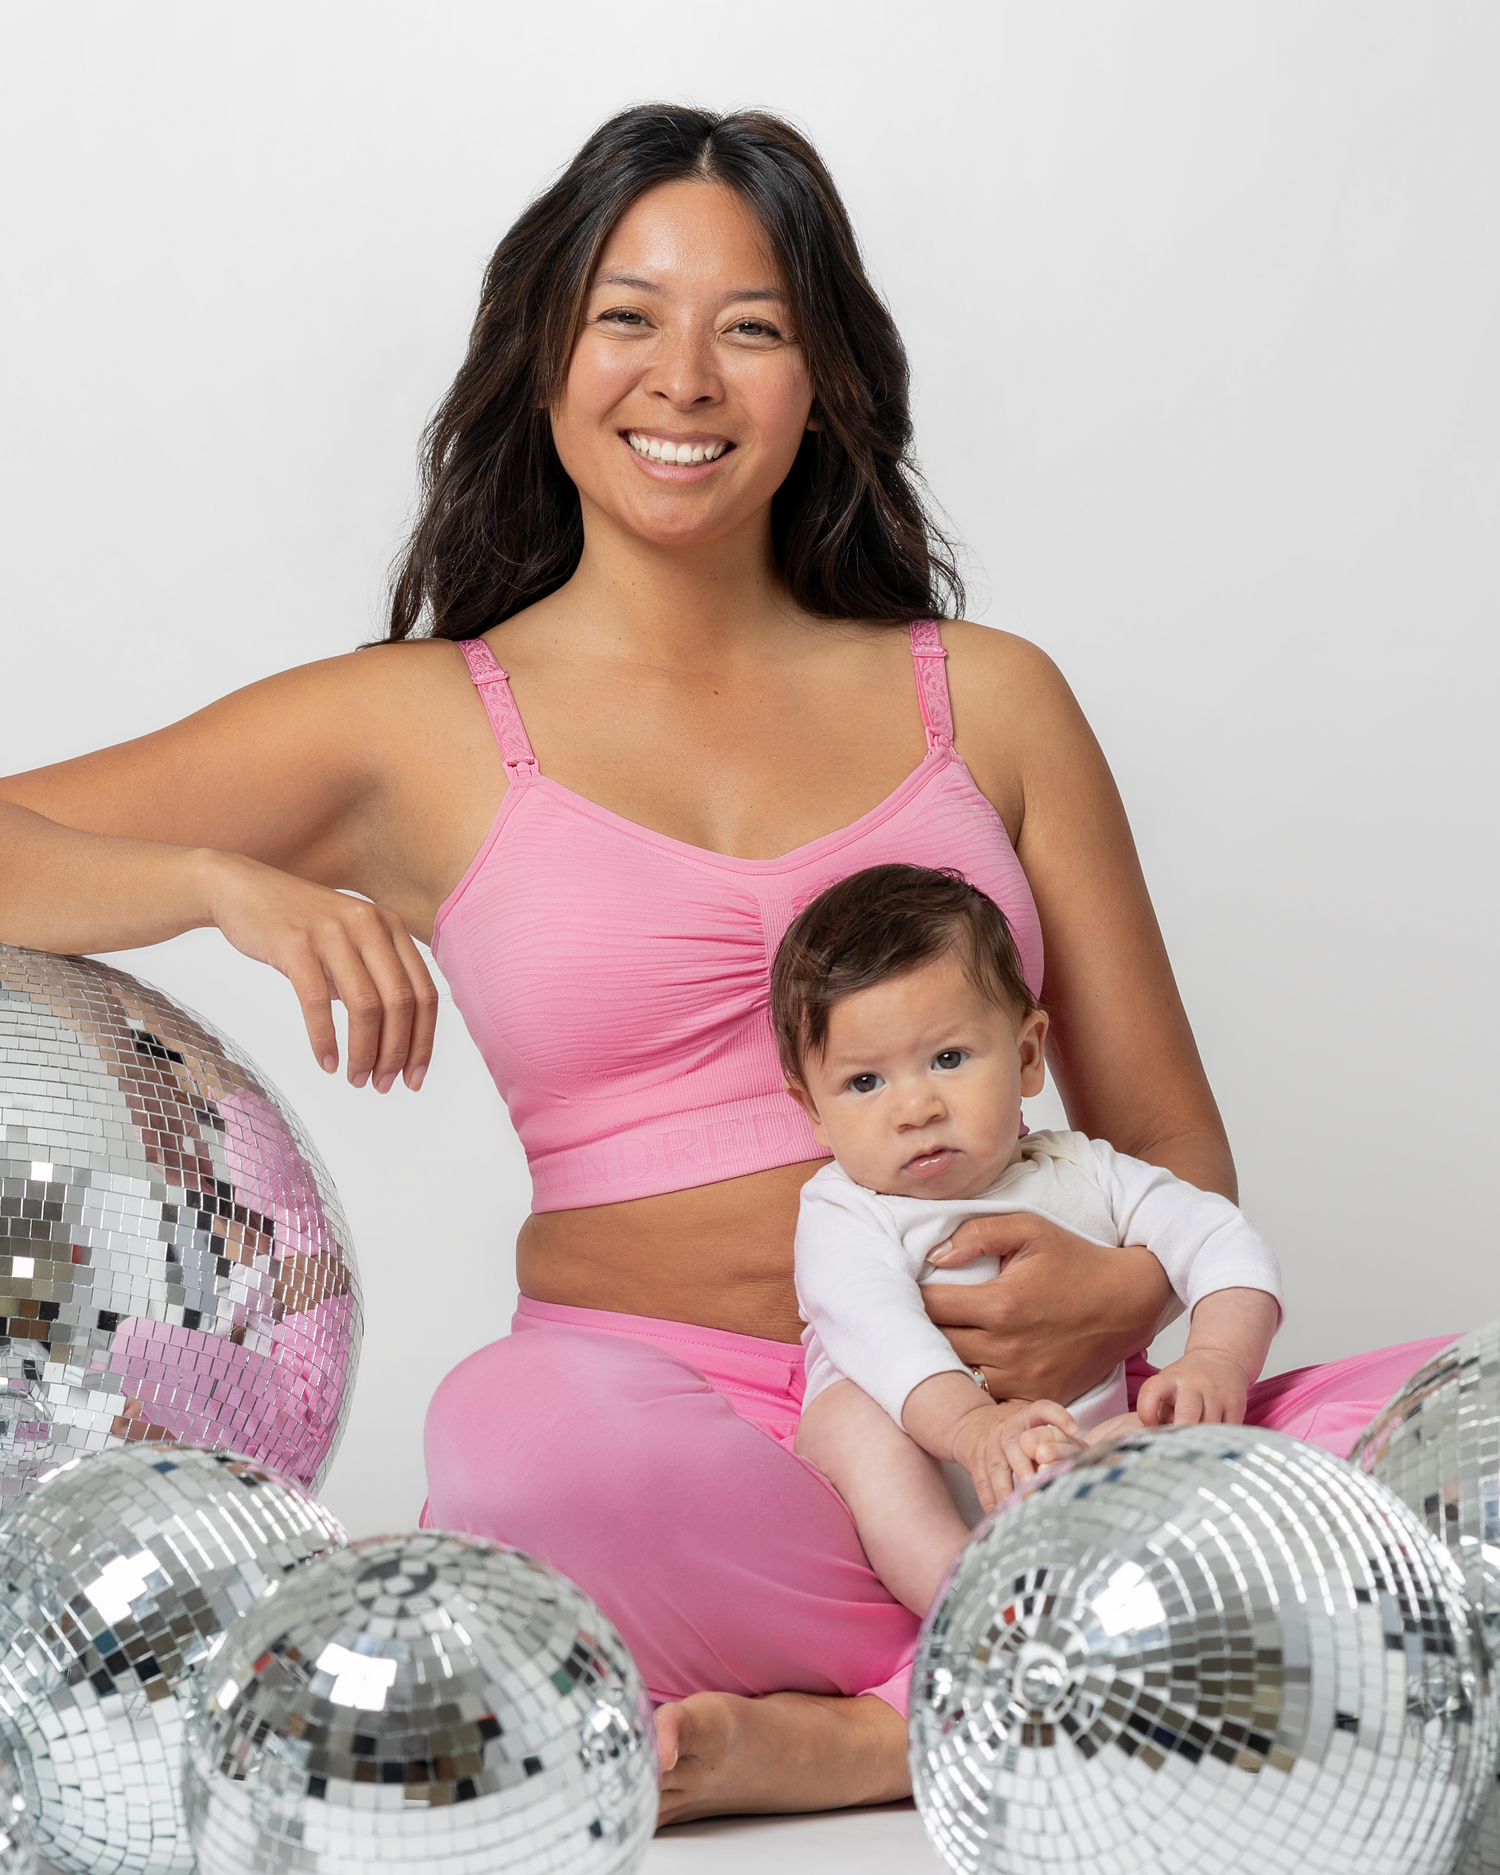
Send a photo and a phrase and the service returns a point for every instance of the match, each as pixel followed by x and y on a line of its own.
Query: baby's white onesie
pixel 862 1257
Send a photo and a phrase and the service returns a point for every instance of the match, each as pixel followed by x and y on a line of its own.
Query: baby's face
pixel 918 1093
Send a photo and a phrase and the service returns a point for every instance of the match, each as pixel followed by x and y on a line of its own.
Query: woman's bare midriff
pixel 718 1255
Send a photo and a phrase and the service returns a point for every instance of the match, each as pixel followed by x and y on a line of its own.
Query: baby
pixel 908 1036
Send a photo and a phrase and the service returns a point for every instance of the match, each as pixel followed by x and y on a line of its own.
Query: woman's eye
pixel 755 329
pixel 949 1058
pixel 864 1083
pixel 621 316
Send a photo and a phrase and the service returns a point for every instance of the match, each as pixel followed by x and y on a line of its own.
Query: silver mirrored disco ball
pixel 1437 1445
pixel 17 1839
pixel 173 1259
pixel 120 1574
pixel 431 1702
pixel 1211 1648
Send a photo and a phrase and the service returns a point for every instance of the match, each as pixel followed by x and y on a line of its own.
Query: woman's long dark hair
pixel 500 525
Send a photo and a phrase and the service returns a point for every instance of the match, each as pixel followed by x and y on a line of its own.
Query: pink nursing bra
pixel 616 981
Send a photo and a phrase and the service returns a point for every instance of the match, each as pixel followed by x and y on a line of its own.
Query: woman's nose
pixel 683 370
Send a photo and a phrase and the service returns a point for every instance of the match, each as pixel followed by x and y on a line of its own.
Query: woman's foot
pixel 726 1756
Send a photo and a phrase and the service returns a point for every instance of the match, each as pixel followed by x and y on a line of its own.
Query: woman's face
pixel 688 394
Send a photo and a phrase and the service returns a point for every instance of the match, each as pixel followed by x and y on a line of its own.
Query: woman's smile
pixel 678 449
pixel 676 458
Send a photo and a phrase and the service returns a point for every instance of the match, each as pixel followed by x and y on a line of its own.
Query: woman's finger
pixel 409 999
pixel 981 1347
pixel 425 1007
pixel 398 1002
pixel 986 1237
pixel 356 990
pixel 313 992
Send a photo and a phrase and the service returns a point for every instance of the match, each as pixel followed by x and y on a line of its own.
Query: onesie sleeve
pixel 855 1291
pixel 1202 1241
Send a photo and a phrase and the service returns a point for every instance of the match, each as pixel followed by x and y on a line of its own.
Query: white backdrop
pixel 1202 304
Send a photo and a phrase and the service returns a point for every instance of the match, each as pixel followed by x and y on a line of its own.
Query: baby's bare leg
pixel 896 1493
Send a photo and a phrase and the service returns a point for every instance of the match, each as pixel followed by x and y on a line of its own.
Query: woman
pixel 669 494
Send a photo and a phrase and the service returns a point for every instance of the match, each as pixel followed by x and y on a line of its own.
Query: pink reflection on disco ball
pixel 174 1261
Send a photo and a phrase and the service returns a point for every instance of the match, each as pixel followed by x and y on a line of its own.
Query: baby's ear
pixel 1032 1042
pixel 805 1101
pixel 800 1094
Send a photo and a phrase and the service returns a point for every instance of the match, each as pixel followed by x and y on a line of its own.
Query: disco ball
pixel 173 1259
pixel 1209 1648
pixel 429 1701
pixel 1484 1859
pixel 1437 1445
pixel 121 1573
pixel 17 1839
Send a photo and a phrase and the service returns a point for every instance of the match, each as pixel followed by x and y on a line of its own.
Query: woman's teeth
pixel 657 451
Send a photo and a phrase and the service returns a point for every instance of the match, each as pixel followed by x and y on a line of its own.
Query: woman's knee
pixel 550 1426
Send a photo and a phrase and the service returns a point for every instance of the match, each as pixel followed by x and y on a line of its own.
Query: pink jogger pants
pixel 652 1463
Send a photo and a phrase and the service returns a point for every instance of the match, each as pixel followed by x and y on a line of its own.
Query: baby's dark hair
pixel 877 924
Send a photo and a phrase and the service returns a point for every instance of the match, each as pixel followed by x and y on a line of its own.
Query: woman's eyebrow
pixel 639 285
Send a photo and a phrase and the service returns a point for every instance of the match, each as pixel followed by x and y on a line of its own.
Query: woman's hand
pixel 1061 1313
pixel 332 947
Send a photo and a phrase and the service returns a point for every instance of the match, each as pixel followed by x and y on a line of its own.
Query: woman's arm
pixel 1063 1311
pixel 250 816
pixel 1120 1046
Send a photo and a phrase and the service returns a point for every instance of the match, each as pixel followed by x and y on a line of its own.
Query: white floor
pixel 887 1841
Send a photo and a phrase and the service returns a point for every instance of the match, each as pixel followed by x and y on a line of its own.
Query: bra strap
pixel 930 662
pixel 493 685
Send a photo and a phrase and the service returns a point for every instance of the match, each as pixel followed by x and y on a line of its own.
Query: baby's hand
pixel 1205 1389
pixel 1004 1446
pixel 1112 1428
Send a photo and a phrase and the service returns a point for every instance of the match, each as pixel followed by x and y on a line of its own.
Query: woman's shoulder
pixel 982 657
pixel 1013 712
pixel 377 687
pixel 359 677
pixel 387 666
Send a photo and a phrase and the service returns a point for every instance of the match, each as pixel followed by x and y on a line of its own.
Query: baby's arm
pixel 1222 1271
pixel 1226 1349
pixel 859 1295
